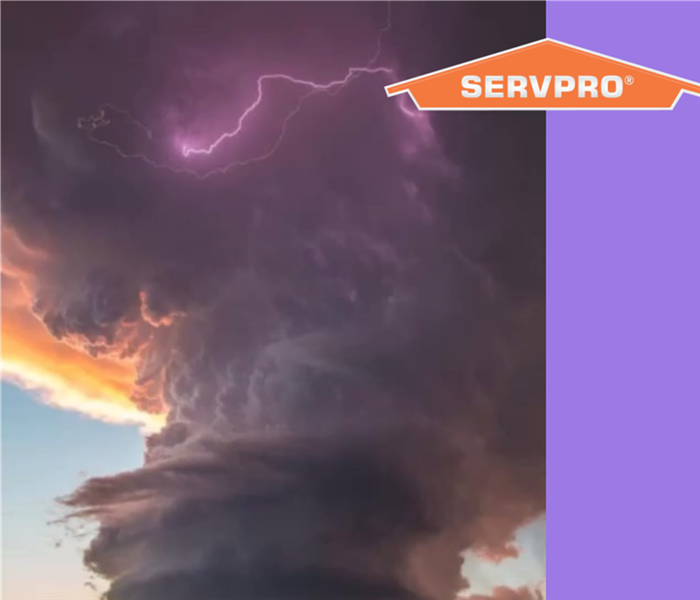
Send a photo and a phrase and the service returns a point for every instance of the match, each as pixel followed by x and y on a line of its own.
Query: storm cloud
pixel 345 340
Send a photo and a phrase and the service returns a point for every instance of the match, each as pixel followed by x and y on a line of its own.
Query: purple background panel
pixel 623 329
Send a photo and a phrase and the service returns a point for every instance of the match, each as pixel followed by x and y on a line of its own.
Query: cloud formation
pixel 350 366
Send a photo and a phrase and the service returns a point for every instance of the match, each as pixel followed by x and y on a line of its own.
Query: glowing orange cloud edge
pixel 56 373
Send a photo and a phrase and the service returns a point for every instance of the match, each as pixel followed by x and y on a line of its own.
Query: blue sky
pixel 47 452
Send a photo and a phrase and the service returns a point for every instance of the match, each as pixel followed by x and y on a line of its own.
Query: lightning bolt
pixel 100 120
pixel 315 88
pixel 92 124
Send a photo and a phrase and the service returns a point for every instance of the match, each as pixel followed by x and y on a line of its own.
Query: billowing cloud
pixel 344 341
pixel 63 375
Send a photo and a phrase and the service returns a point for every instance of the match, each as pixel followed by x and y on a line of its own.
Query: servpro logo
pixel 563 84
pixel 546 75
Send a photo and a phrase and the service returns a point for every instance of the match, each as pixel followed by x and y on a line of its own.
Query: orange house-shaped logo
pixel 545 75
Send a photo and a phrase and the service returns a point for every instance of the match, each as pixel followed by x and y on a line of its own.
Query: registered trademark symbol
pixel 629 80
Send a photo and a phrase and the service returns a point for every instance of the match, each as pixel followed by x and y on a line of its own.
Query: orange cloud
pixel 498 554
pixel 61 375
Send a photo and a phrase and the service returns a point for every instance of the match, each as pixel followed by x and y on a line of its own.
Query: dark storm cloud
pixel 355 381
